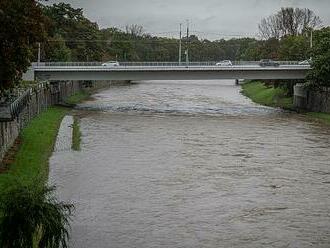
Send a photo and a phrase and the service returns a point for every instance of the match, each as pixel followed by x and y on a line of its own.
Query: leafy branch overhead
pixel 22 26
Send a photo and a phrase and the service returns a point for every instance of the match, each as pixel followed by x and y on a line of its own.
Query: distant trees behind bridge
pixel 65 34
pixel 72 37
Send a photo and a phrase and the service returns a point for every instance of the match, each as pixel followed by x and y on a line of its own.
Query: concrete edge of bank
pixel 39 99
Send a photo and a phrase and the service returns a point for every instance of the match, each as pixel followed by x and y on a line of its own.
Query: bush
pixel 31 216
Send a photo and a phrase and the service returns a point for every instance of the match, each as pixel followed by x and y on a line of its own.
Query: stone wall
pixel 311 100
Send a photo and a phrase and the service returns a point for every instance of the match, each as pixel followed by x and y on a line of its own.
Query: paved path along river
pixel 194 164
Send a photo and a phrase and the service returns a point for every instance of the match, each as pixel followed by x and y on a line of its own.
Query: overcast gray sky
pixel 212 19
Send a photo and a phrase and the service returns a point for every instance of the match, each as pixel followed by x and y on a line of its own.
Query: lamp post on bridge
pixel 311 42
pixel 187 48
pixel 180 45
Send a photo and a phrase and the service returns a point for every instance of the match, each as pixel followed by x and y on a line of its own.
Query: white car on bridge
pixel 305 62
pixel 224 63
pixel 111 63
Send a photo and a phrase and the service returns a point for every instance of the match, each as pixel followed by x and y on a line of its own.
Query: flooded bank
pixel 194 164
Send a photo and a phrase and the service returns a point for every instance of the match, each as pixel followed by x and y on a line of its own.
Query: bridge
pixel 57 71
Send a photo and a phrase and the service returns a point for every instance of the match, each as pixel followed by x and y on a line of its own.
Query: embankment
pixel 28 129
pixel 269 96
pixel 276 97
pixel 29 158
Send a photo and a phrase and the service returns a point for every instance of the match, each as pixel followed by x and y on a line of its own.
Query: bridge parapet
pixel 157 64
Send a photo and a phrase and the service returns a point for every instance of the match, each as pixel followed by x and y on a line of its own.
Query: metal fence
pixel 20 102
pixel 156 64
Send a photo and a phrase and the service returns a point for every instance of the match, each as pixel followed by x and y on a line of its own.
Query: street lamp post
pixel 180 45
pixel 311 42
pixel 187 48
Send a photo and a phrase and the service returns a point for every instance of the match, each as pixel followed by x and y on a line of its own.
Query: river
pixel 194 164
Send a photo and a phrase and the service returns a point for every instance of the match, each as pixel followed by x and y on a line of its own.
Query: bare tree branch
pixel 288 21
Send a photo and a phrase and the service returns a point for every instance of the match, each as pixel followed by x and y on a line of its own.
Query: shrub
pixel 31 216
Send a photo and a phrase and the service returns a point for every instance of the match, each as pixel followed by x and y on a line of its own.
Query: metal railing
pixel 156 64
pixel 20 102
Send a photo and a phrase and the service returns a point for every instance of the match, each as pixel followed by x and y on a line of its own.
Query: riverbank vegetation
pixel 36 142
pixel 258 92
pixel 77 98
pixel 319 77
pixel 32 217
pixel 76 135
pixel 323 117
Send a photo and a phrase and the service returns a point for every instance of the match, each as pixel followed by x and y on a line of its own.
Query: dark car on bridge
pixel 268 62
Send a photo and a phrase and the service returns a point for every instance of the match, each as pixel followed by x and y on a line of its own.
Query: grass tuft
pixel 77 98
pixel 76 135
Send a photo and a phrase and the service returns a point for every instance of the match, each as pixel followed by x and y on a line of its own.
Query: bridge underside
pixel 171 75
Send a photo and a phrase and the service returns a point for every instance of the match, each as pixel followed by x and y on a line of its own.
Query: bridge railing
pixel 155 64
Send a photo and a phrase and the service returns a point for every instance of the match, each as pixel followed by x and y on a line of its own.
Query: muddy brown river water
pixel 194 164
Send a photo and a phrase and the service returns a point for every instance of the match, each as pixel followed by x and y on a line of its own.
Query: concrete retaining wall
pixel 311 100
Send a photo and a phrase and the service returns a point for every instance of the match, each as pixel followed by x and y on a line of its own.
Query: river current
pixel 194 164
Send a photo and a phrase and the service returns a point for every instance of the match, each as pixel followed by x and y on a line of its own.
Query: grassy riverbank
pixel 269 96
pixel 36 143
pixel 323 117
pixel 272 97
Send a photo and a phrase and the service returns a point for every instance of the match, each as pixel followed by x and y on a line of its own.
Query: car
pixel 305 62
pixel 111 63
pixel 224 63
pixel 268 62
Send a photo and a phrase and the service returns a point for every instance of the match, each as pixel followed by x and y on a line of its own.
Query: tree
pixel 294 48
pixel 288 21
pixel 320 73
pixel 32 212
pixel 78 33
pixel 22 25
pixel 57 49
pixel 134 30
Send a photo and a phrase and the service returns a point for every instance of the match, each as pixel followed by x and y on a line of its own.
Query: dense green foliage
pixel 269 96
pixel 71 36
pixel 31 216
pixel 320 74
pixel 22 25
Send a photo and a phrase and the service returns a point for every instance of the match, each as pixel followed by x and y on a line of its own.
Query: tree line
pixel 65 34
pixel 72 37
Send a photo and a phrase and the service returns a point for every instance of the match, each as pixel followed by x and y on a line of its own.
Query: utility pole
pixel 187 48
pixel 311 41
pixel 180 44
pixel 39 53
